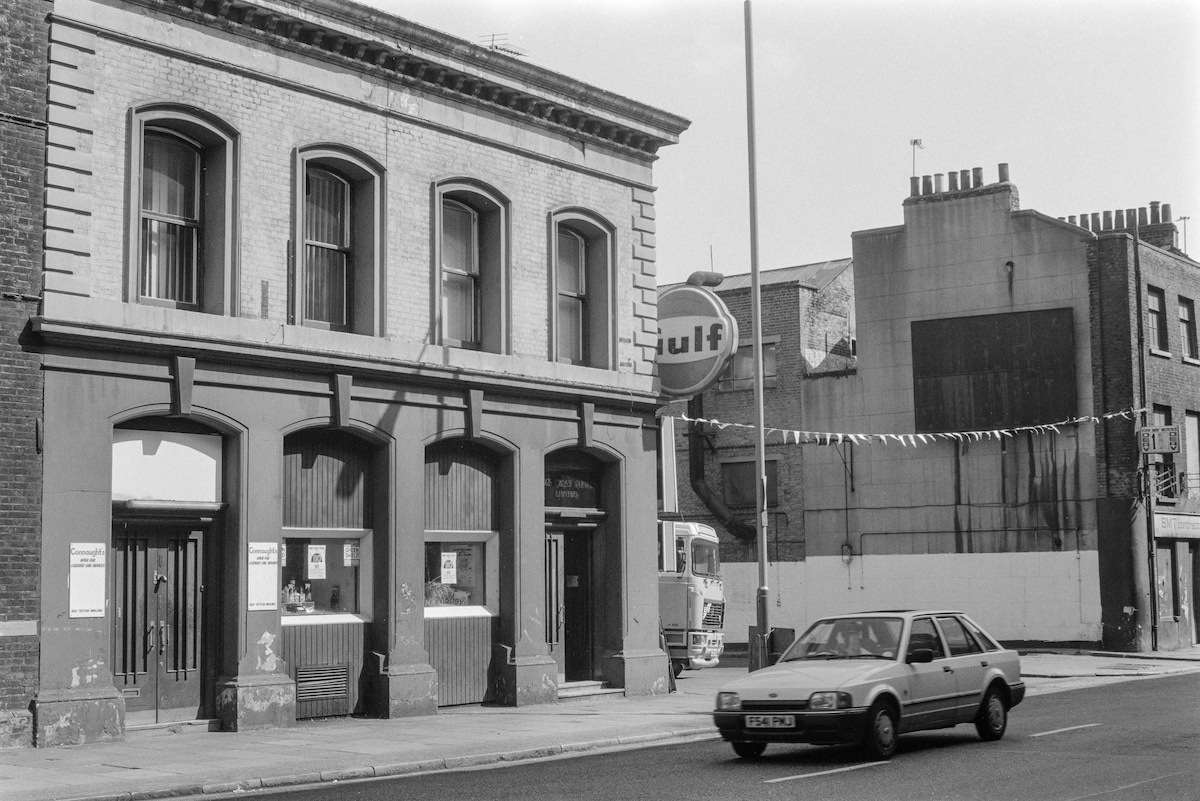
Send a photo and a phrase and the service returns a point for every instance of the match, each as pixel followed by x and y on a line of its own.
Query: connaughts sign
pixel 697 336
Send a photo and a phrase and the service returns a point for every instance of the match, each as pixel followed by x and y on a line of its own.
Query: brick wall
pixel 22 163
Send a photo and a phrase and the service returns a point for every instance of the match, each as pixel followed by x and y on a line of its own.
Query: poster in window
pixel 315 556
pixel 262 576
pixel 466 567
pixel 449 567
pixel 86 579
pixel 350 554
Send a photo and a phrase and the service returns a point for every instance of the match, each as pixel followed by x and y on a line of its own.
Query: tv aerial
pixel 499 43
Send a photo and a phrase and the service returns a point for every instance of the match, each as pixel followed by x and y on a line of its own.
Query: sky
pixel 1094 104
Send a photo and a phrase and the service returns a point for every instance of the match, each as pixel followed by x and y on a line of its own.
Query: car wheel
pixel 879 741
pixel 748 750
pixel 992 718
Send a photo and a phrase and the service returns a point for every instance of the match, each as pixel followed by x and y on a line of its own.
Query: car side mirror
pixel 917 655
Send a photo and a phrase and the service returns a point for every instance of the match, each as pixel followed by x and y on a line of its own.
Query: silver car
pixel 869 677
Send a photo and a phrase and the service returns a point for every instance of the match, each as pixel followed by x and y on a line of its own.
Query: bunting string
pixel 802 437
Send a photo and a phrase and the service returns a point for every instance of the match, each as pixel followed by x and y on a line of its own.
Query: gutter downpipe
pixel 764 630
pixel 1148 482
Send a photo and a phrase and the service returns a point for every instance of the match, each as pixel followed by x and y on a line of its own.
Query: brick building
pixel 939 471
pixel 22 166
pixel 348 334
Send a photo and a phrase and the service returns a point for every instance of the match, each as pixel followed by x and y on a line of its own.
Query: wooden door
pixel 555 601
pixel 158 620
pixel 569 607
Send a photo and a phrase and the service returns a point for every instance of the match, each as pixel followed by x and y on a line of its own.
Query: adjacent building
pixel 982 451
pixel 22 169
pixel 347 334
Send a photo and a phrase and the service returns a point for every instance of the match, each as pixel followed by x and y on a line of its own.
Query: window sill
pixel 1162 354
pixel 459 611
pixel 319 619
pixel 1190 360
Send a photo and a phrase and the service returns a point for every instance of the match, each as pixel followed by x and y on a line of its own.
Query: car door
pixel 968 663
pixel 932 697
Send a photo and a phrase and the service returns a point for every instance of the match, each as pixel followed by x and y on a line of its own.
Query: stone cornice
pixel 398 50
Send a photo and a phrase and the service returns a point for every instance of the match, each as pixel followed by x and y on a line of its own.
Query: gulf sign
pixel 697 336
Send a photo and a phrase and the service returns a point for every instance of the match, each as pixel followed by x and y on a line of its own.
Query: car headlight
pixel 829 700
pixel 728 702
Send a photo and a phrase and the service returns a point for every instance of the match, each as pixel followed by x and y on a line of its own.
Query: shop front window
pixel 321 575
pixel 461 574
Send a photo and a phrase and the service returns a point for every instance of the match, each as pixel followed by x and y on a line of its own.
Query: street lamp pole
pixel 760 507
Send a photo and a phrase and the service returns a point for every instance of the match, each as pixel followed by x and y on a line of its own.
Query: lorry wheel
pixel 676 668
pixel 748 750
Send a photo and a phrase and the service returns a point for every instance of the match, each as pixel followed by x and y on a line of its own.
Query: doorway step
pixel 571 690
pixel 173 727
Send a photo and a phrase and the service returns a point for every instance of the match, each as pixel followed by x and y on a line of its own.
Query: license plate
pixel 770 721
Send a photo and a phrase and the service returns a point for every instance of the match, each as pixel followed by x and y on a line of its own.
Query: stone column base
pixel 640 672
pixel 78 716
pixel 16 729
pixel 525 680
pixel 256 702
pixel 403 691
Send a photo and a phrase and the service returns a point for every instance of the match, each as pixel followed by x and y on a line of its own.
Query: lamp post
pixel 760 493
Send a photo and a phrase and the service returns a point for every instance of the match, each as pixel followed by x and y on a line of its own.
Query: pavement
pixel 189 760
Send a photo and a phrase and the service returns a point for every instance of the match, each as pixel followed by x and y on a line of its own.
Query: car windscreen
pixel 848 638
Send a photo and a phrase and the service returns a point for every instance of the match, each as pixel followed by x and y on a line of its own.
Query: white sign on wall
pixel 262 576
pixel 86 579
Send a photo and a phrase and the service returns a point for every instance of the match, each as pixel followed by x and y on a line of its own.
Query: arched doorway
pixel 166 538
pixel 576 556
pixel 463 523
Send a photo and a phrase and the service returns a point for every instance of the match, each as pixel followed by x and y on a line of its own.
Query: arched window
pixel 327 252
pixel 472 267
pixel 337 281
pixel 170 218
pixel 182 208
pixel 582 314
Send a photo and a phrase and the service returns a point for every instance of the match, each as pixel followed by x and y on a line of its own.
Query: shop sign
pixel 262 576
pixel 1159 439
pixel 697 336
pixel 575 489
pixel 86 579
pixel 1176 527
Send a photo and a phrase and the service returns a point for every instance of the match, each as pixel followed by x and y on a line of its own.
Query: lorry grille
pixel 714 615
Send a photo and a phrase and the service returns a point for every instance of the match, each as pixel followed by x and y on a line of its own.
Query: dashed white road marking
pixel 1069 728
pixel 822 773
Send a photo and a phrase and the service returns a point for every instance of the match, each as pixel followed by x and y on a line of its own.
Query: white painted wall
pixel 1051 597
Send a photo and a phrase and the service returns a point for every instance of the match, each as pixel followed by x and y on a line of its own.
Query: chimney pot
pixel 976 177
pixel 953 178
pixel 964 179
pixel 1003 173
pixel 1130 218
pixel 1071 220
pixel 914 186
pixel 1096 222
pixel 1166 212
pixel 937 183
pixel 1155 217
pixel 1119 219
pixel 1108 221
pixel 926 184
pixel 1142 218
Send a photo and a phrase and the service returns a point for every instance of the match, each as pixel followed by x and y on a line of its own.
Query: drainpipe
pixel 739 529
pixel 1152 557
